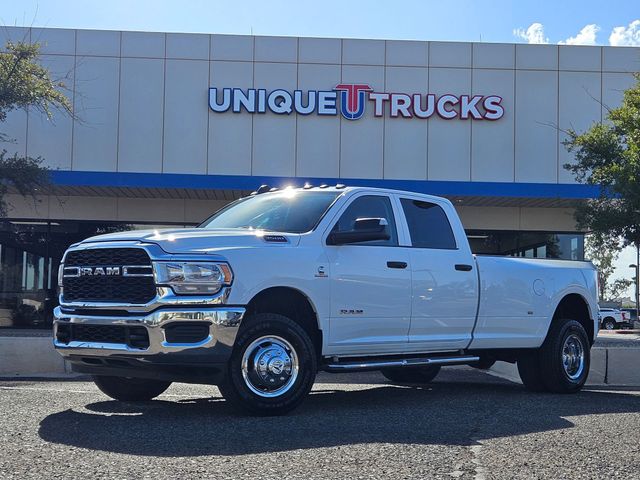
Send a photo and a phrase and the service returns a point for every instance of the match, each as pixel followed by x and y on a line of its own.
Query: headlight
pixel 195 278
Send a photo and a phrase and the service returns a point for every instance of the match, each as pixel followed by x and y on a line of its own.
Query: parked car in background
pixel 612 318
pixel 632 314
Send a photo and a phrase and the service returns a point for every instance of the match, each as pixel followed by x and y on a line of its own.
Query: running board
pixel 363 365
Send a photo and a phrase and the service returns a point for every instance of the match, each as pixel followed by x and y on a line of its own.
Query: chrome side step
pixel 362 365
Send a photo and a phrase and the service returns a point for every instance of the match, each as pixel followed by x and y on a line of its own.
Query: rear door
pixel 370 283
pixel 444 275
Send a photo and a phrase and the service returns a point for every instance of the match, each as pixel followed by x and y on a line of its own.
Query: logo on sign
pixel 351 99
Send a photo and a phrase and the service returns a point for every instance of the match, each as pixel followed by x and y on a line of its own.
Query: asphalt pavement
pixel 466 425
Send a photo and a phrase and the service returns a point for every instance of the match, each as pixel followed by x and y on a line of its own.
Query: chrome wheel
pixel 609 325
pixel 270 366
pixel 573 357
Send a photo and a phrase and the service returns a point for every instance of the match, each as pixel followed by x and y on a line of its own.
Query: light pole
pixel 637 282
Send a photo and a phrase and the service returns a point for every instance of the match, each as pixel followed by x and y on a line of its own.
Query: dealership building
pixel 170 127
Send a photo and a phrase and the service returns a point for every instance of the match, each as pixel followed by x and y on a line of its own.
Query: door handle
pixel 463 267
pixel 397 264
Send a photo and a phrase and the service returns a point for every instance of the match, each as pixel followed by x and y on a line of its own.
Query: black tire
pixel 404 375
pixel 130 389
pixel 249 394
pixel 609 323
pixel 544 370
pixel 530 373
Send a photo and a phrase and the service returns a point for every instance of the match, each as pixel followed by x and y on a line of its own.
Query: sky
pixel 581 22
pixel 614 22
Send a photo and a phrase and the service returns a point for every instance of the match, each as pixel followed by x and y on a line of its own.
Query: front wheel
pixel 130 389
pixel 272 367
pixel 562 364
pixel 609 324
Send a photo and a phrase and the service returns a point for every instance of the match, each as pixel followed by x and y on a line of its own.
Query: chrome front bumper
pixel 223 327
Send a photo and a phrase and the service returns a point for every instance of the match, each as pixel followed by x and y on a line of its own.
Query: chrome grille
pixel 118 289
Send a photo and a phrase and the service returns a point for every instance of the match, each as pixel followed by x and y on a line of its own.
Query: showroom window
pixel 30 253
pixel 565 246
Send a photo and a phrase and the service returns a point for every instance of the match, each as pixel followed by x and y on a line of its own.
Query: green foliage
pixel 24 83
pixel 618 288
pixel 20 175
pixel 602 256
pixel 608 155
pixel 603 253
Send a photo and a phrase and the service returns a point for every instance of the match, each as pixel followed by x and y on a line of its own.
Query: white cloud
pixel 586 36
pixel 629 35
pixel 533 34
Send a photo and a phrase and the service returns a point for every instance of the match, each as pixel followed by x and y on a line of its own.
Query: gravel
pixel 466 425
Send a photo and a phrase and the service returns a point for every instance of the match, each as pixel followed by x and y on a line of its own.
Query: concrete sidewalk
pixel 31 356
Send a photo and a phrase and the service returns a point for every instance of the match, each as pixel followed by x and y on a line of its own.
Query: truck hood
pixel 199 240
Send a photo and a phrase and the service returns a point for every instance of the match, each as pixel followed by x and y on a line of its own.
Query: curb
pixel 610 366
pixel 31 357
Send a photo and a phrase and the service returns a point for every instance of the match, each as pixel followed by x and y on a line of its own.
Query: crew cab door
pixel 444 275
pixel 370 283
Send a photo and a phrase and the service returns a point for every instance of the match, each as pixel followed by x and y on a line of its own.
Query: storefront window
pixel 566 246
pixel 30 253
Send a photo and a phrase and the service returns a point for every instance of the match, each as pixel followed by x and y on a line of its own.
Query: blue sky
pixel 462 20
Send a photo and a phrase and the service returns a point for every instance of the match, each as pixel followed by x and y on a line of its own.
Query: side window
pixel 369 206
pixel 428 225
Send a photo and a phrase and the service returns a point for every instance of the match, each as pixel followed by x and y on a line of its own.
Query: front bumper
pixel 200 362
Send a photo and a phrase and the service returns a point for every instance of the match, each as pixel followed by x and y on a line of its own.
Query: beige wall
pixel 128 86
pixel 112 209
pixel 194 211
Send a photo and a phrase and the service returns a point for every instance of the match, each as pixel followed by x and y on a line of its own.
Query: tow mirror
pixel 364 230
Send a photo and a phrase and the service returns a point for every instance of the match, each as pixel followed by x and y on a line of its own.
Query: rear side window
pixel 428 225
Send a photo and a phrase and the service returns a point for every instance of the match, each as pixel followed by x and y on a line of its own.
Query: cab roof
pixel 341 188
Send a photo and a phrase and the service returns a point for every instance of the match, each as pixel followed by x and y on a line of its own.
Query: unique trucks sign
pixel 351 99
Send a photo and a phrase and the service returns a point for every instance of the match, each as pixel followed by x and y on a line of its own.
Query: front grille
pixel 106 257
pixel 108 288
pixel 133 336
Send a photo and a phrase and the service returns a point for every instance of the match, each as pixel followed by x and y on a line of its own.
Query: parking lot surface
pixel 467 425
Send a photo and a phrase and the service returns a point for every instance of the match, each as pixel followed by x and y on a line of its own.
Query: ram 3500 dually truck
pixel 284 283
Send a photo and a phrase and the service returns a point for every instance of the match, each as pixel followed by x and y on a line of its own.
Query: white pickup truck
pixel 284 283
pixel 612 318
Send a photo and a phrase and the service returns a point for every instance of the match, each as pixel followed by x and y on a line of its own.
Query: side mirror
pixel 364 230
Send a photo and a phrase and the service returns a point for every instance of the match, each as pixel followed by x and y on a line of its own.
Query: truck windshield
pixel 288 211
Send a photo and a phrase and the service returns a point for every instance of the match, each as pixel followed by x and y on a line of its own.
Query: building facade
pixel 170 127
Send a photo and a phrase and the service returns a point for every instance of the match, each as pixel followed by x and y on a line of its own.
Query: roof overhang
pixel 230 187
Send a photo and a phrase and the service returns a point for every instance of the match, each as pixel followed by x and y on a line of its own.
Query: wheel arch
pixel 575 307
pixel 292 303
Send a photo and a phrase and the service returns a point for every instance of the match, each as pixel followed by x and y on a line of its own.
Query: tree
pixel 608 155
pixel 603 256
pixel 618 288
pixel 25 84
